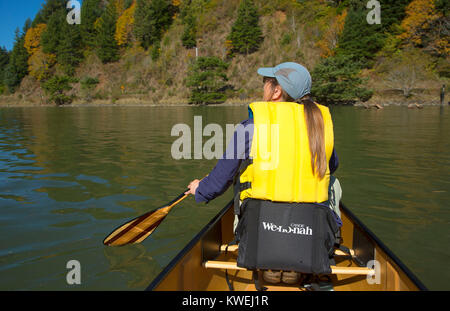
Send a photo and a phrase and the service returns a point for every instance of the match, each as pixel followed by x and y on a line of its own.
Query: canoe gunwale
pixel 188 247
pixel 384 248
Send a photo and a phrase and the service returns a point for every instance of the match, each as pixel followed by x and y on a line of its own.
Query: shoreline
pixel 123 102
pixel 134 102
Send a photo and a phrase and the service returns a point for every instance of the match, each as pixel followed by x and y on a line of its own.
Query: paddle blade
pixel 138 229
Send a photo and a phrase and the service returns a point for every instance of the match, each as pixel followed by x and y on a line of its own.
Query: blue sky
pixel 14 13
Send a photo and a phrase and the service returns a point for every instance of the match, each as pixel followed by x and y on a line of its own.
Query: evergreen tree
pixel 189 38
pixel 207 80
pixel 26 26
pixel 246 35
pixel 90 11
pixel 128 4
pixel 4 60
pixel 57 86
pixel 442 6
pixel 152 18
pixel 108 50
pixel 360 40
pixel 17 68
pixel 51 38
pixel 392 13
pixel 336 81
pixel 88 85
pixel 69 52
pixel 63 40
pixel 47 10
pixel 156 50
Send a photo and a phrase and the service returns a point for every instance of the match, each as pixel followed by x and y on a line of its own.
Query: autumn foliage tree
pixel 124 27
pixel 39 63
pixel 331 37
pixel 427 27
pixel 420 16
pixel 33 38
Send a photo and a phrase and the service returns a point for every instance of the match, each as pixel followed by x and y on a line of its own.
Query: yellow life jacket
pixel 280 169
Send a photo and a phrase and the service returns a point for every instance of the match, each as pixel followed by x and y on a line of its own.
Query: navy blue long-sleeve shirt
pixel 222 176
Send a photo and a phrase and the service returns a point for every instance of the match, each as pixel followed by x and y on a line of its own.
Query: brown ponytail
pixel 315 127
pixel 316 135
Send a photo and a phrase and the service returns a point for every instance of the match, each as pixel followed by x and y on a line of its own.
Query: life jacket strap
pixel 239 187
pixel 230 286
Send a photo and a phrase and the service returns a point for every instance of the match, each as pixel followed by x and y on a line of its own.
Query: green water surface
pixel 69 176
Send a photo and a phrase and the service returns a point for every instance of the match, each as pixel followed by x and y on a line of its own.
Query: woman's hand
pixel 193 187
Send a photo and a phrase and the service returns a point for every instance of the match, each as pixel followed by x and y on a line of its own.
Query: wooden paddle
pixel 137 230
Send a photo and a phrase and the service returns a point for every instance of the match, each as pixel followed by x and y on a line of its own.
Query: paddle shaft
pixel 139 228
pixel 145 233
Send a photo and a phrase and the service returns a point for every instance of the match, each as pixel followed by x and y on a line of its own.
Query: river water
pixel 69 176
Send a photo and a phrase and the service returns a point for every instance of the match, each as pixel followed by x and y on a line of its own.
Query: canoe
pixel 203 264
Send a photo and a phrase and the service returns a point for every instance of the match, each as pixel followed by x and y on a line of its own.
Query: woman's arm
pixel 222 176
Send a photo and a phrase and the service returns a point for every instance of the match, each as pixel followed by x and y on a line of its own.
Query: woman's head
pixel 291 82
pixel 293 78
pixel 274 92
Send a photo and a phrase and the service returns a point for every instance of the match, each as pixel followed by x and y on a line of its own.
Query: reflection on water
pixel 69 176
pixel 132 261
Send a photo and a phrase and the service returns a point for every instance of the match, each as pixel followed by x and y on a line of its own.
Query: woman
pixel 304 158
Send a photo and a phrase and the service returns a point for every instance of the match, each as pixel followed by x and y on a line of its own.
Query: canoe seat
pixel 234 248
pixel 230 265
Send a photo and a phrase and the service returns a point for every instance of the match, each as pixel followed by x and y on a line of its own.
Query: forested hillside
pixel 208 51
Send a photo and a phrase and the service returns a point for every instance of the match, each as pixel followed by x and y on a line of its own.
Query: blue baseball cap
pixel 293 78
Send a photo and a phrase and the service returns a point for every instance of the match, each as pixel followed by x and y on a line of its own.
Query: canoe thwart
pixel 230 265
pixel 234 248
